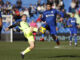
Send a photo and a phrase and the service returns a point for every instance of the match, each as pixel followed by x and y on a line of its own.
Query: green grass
pixel 42 51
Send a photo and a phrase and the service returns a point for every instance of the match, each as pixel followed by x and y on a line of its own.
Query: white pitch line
pixel 67 47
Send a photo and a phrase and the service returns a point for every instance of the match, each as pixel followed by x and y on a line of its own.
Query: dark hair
pixel 24 15
pixel 68 16
pixel 49 4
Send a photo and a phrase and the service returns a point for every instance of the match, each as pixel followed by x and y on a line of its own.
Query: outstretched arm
pixel 14 25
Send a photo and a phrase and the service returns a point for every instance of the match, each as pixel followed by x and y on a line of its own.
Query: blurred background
pixel 12 10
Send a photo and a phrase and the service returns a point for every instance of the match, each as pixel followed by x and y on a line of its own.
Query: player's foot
pixel 57 47
pixel 22 55
pixel 58 43
pixel 70 43
pixel 76 44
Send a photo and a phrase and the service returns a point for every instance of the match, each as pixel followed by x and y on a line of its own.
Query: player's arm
pixel 43 17
pixel 68 23
pixel 14 25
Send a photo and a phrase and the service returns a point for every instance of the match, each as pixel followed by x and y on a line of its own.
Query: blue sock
pixel 71 38
pixel 75 37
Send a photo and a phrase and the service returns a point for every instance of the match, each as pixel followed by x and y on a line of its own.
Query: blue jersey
pixel 62 14
pixel 50 16
pixel 72 21
pixel 73 29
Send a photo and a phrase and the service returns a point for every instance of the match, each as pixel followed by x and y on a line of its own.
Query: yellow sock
pixel 26 50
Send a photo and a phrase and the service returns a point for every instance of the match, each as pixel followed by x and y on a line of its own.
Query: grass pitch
pixel 42 51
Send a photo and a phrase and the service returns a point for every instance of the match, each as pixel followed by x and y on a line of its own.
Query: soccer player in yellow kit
pixel 23 25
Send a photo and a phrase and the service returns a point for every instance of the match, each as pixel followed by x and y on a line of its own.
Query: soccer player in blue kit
pixel 73 29
pixel 49 16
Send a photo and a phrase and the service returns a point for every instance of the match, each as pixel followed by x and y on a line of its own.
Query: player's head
pixel 24 17
pixel 73 14
pixel 48 6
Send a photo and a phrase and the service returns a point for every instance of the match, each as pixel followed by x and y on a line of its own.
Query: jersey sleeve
pixel 43 17
pixel 68 22
pixel 14 25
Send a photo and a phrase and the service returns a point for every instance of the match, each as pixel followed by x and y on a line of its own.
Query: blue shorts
pixel 73 30
pixel 52 29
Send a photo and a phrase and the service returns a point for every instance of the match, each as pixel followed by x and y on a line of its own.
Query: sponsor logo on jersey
pixel 73 21
pixel 49 15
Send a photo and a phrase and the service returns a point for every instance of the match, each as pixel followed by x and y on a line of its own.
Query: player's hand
pixel 6 29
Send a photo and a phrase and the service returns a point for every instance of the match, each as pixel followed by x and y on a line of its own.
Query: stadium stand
pixel 31 6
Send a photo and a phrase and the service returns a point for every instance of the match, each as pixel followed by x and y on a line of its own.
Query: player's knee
pixel 32 46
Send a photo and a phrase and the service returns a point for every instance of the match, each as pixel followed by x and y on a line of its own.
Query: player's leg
pixel 55 39
pixel 28 49
pixel 31 45
pixel 75 36
pixel 54 34
pixel 71 36
pixel 75 39
pixel 70 42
